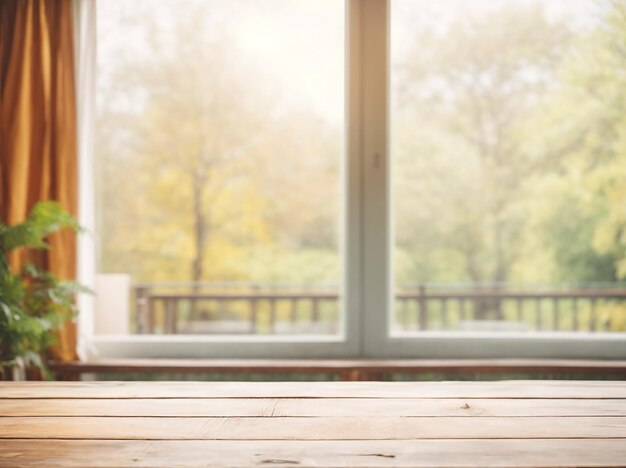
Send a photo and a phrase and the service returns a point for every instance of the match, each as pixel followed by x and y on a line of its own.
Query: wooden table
pixel 328 424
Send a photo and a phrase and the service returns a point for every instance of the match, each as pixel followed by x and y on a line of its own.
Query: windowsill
pixel 572 345
pixel 235 346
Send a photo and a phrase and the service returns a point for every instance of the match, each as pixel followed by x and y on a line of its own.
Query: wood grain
pixel 323 428
pixel 304 454
pixel 502 389
pixel 330 424
pixel 311 407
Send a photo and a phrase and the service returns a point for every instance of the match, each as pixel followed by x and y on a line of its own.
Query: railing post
pixel 254 309
pixel 151 314
pixel 401 303
pixel 444 313
pixel 315 312
pixel 423 308
pixel 294 311
pixel 142 312
pixel 496 290
pixel 170 315
pixel 555 314
pixel 520 315
pixel 462 307
pixel 538 321
pixel 272 304
pixel 592 315
pixel 476 304
pixel 253 315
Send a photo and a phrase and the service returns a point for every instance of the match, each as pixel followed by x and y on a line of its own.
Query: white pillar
pixel 112 304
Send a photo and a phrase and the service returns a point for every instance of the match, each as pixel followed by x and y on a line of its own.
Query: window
pixel 499 229
pixel 377 178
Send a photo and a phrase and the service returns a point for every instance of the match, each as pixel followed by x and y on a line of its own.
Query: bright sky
pixel 299 43
pixel 404 13
pixel 302 47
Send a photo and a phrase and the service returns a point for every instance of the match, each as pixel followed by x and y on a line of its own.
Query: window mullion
pixel 353 206
pixel 376 228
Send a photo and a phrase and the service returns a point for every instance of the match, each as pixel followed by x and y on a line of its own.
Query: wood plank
pixel 502 389
pixel 330 454
pixel 336 365
pixel 309 407
pixel 322 428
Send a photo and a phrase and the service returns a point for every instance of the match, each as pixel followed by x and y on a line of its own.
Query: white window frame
pixel 366 241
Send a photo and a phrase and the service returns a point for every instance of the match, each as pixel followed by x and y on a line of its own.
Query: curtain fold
pixel 38 153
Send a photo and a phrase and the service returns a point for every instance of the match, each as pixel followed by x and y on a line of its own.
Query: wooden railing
pixel 251 309
pixel 573 310
pixel 419 309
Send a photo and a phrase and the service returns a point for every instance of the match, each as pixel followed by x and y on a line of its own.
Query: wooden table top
pixel 311 424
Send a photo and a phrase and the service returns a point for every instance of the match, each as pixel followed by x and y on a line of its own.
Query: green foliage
pixel 465 112
pixel 33 302
pixel 510 154
pixel 589 239
pixel 44 219
pixel 574 259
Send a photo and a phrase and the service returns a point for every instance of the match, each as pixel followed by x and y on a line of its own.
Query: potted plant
pixel 33 302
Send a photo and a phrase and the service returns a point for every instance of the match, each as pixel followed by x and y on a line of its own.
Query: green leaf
pixel 44 219
pixel 33 302
pixel 7 311
pixel 33 358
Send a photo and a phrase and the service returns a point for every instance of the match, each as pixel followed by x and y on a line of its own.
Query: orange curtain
pixel 38 159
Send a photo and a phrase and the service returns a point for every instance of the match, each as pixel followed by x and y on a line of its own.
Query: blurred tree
pixel 585 224
pixel 199 131
pixel 467 90
pixel 207 171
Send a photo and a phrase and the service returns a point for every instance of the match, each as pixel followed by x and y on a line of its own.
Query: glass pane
pixel 509 165
pixel 219 147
